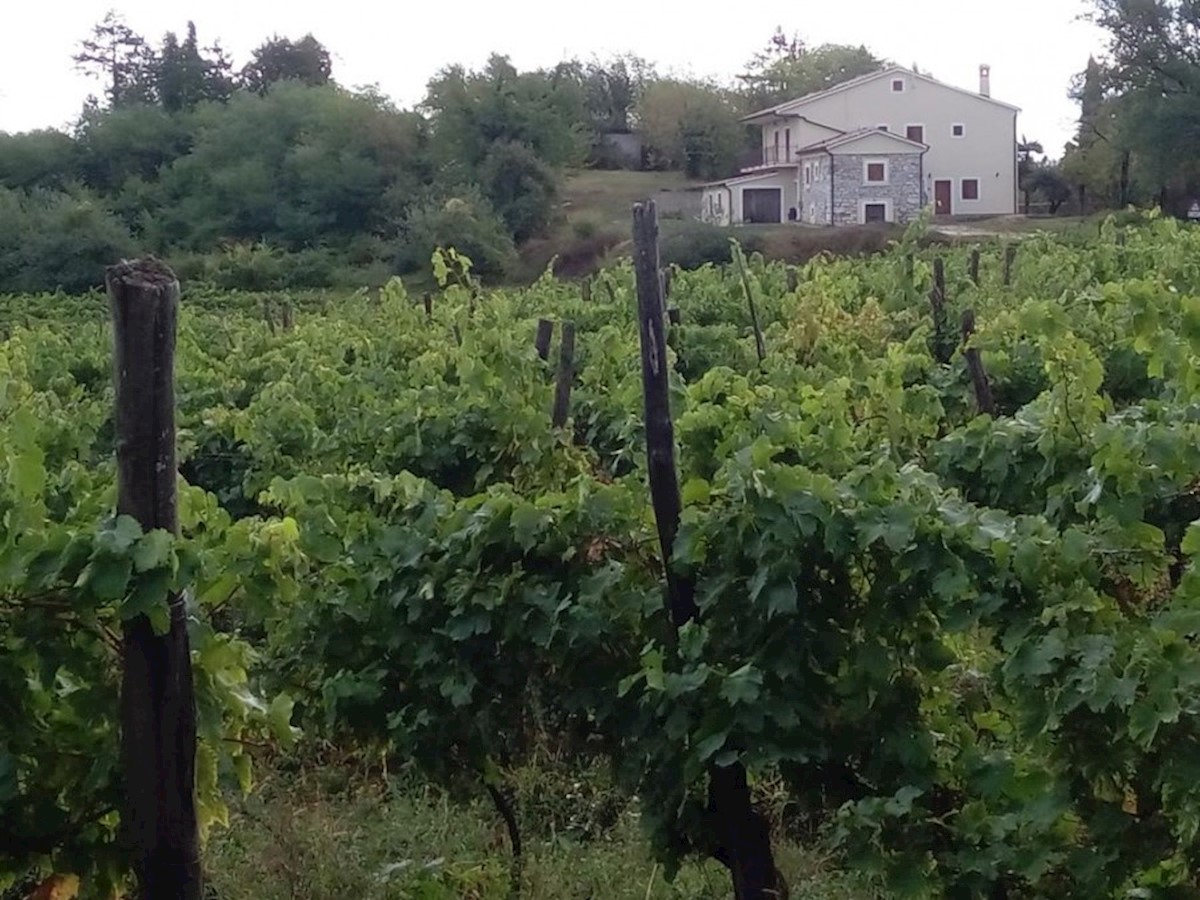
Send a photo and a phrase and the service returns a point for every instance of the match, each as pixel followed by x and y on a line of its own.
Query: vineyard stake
pixel 937 302
pixel 585 290
pixel 759 347
pixel 979 379
pixel 973 267
pixel 1010 256
pixel 743 837
pixel 793 279
pixel 566 373
pixel 158 711
pixel 428 301
pixel 673 315
pixel 541 341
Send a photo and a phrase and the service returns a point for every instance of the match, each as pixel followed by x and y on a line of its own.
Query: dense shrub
pixel 51 240
pixel 468 224
pixel 522 189
pixel 692 244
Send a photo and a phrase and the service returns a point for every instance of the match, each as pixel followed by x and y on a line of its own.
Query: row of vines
pixel 966 644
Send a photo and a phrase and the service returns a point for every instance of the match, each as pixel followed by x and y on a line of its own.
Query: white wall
pixel 987 151
pixel 804 134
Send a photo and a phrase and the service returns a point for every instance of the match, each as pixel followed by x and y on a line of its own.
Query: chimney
pixel 985 80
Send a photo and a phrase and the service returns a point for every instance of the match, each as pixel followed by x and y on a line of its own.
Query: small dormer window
pixel 897 85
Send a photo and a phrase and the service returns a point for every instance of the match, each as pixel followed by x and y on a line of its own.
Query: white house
pixel 876 148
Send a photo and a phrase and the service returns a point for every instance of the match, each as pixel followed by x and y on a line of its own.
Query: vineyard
pixel 963 644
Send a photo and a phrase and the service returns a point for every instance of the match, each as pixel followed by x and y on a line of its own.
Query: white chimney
pixel 985 80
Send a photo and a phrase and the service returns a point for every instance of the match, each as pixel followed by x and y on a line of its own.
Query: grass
pixel 320 832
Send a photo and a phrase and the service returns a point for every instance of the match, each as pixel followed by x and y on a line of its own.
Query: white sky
pixel 1033 46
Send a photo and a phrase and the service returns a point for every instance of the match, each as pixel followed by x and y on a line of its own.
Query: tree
pixel 691 126
pixel 1048 181
pixel 186 75
pixel 281 59
pixel 1154 74
pixel 121 58
pixel 787 68
pixel 1025 165
pixel 520 187
pixel 38 159
pixel 470 111
pixel 612 91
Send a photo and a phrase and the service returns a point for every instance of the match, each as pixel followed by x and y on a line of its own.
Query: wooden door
pixel 943 193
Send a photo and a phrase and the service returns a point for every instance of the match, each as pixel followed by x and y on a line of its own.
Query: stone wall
pixel 903 189
pixel 814 198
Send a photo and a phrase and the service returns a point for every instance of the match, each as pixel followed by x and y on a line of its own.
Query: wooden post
pixel 759 346
pixel 793 279
pixel 973 267
pixel 979 379
pixel 541 341
pixel 1010 256
pixel 608 289
pixel 910 269
pixel 268 314
pixel 673 315
pixel 566 374
pixel 287 320
pixel 937 301
pixel 666 284
pixel 742 836
pixel 428 300
pixel 158 710
pixel 585 290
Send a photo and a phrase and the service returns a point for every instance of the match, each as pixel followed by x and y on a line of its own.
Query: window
pixel 881 127
pixel 875 172
pixel 958 130
pixel 875 212
pixel 970 188
pixel 897 85
pixel 915 133
pixel 808 173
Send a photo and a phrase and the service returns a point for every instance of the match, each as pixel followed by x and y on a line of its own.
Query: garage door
pixel 762 205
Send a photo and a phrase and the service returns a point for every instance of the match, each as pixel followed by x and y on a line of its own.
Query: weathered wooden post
pixel 937 302
pixel 427 299
pixel 1010 256
pixel 585 290
pixel 673 315
pixel 973 267
pixel 667 275
pixel 541 341
pixel 158 710
pixel 741 834
pixel 566 374
pixel 979 379
pixel 268 313
pixel 286 318
pixel 793 279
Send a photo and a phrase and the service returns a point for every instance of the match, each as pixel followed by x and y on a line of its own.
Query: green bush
pixel 521 188
pixel 57 240
pixel 693 244
pixel 468 224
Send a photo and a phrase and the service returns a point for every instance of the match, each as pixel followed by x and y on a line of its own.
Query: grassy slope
pixel 321 833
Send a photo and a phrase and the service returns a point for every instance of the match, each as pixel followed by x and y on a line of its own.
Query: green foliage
pixel 522 189
pixel 468 224
pixel 788 68
pixel 280 59
pixel 690 126
pixel 52 240
pixel 961 645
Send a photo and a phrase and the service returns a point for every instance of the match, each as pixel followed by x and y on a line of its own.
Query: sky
pixel 1033 46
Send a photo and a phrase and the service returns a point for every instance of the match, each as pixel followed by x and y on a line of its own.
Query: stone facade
pixel 902 192
pixel 814 196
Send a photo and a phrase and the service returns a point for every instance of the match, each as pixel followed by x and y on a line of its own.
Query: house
pixel 876 148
